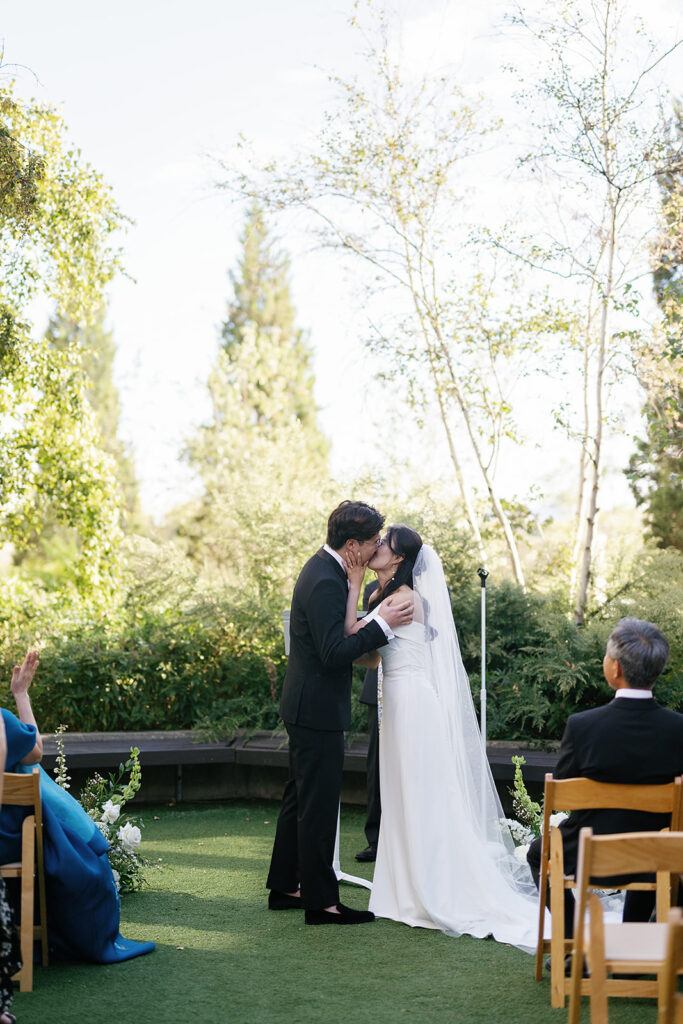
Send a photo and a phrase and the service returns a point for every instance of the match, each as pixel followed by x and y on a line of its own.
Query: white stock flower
pixel 103 827
pixel 130 836
pixel 557 819
pixel 117 878
pixel 110 812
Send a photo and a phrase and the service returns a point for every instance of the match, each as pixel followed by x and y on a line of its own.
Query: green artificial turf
pixel 223 957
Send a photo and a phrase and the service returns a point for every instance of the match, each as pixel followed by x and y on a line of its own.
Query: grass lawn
pixel 223 957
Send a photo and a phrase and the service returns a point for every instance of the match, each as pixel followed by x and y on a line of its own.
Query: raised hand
pixel 22 676
pixel 355 569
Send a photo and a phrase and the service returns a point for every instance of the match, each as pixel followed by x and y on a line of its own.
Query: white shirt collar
pixel 633 693
pixel 337 557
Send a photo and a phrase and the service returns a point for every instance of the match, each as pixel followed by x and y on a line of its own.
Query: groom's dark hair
pixel 353 520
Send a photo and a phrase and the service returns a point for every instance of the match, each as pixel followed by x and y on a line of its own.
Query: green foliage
pixel 57 220
pixel 57 214
pixel 656 468
pixel 668 272
pixel 52 466
pixel 542 667
pixel 181 649
pixel 160 672
pixel 95 347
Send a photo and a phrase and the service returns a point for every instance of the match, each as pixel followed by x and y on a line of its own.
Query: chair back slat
pixel 585 794
pixel 631 853
pixel 19 790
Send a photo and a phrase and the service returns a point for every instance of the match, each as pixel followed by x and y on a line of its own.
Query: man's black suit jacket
pixel 626 741
pixel 317 687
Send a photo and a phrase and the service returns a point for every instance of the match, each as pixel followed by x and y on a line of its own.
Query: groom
pixel 316 708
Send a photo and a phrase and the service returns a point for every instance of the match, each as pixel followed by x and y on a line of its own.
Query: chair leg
pixel 557 948
pixel 27 903
pixel 598 984
pixel 542 898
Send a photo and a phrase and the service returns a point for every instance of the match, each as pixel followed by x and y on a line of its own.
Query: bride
pixel 445 859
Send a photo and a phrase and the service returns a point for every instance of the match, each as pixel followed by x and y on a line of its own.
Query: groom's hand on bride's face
pixel 397 613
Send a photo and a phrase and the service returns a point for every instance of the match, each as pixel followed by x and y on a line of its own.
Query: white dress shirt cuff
pixel 375 615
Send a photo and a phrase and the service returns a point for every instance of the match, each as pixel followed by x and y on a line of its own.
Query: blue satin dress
pixel 83 906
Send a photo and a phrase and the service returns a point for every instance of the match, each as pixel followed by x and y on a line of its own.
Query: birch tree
pixel 382 185
pixel 600 149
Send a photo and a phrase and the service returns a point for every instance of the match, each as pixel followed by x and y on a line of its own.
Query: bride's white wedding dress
pixel 444 859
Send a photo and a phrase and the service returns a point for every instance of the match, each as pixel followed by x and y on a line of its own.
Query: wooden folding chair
pixel 574 795
pixel 24 791
pixel 630 948
pixel 671 1001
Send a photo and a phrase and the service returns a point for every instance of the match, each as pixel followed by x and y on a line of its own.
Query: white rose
pixel 557 819
pixel 130 836
pixel 521 852
pixel 110 812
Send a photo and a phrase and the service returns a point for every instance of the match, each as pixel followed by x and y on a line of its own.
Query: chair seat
pixel 12 870
pixel 635 944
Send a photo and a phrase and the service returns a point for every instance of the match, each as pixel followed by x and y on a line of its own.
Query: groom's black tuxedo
pixel 626 741
pixel 316 708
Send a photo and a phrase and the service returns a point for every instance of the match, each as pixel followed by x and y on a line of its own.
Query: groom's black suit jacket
pixel 317 687
pixel 626 741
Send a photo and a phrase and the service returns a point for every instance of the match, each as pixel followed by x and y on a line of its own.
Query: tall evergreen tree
pixel 655 470
pixel 262 458
pixel 668 272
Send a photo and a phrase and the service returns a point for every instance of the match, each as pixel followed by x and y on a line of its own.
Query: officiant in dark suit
pixel 633 739
pixel 316 709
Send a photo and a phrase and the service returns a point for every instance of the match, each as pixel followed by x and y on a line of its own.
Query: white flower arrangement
pixel 529 822
pixel 104 800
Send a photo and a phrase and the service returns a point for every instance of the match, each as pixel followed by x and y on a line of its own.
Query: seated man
pixel 630 740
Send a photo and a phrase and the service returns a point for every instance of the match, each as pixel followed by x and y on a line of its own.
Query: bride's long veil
pixel 467 769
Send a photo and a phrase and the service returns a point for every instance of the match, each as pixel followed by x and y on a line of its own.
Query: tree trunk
pixel 579 518
pixel 498 509
pixel 584 577
pixel 467 501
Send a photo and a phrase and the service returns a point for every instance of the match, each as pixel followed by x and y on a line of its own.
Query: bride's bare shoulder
pixel 406 593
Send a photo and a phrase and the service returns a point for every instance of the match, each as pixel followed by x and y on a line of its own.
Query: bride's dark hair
pixel 402 540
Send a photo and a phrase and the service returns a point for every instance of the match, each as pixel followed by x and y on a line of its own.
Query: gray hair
pixel 641 650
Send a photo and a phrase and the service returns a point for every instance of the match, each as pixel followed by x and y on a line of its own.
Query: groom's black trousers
pixel 303 850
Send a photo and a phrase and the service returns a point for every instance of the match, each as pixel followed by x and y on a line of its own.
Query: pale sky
pixel 150 89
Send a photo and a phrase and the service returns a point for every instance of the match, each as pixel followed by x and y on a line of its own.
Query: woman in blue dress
pixel 83 906
pixel 10 957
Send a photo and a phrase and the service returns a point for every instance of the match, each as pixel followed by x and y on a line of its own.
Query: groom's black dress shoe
pixel 368 854
pixel 283 901
pixel 568 967
pixel 345 916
